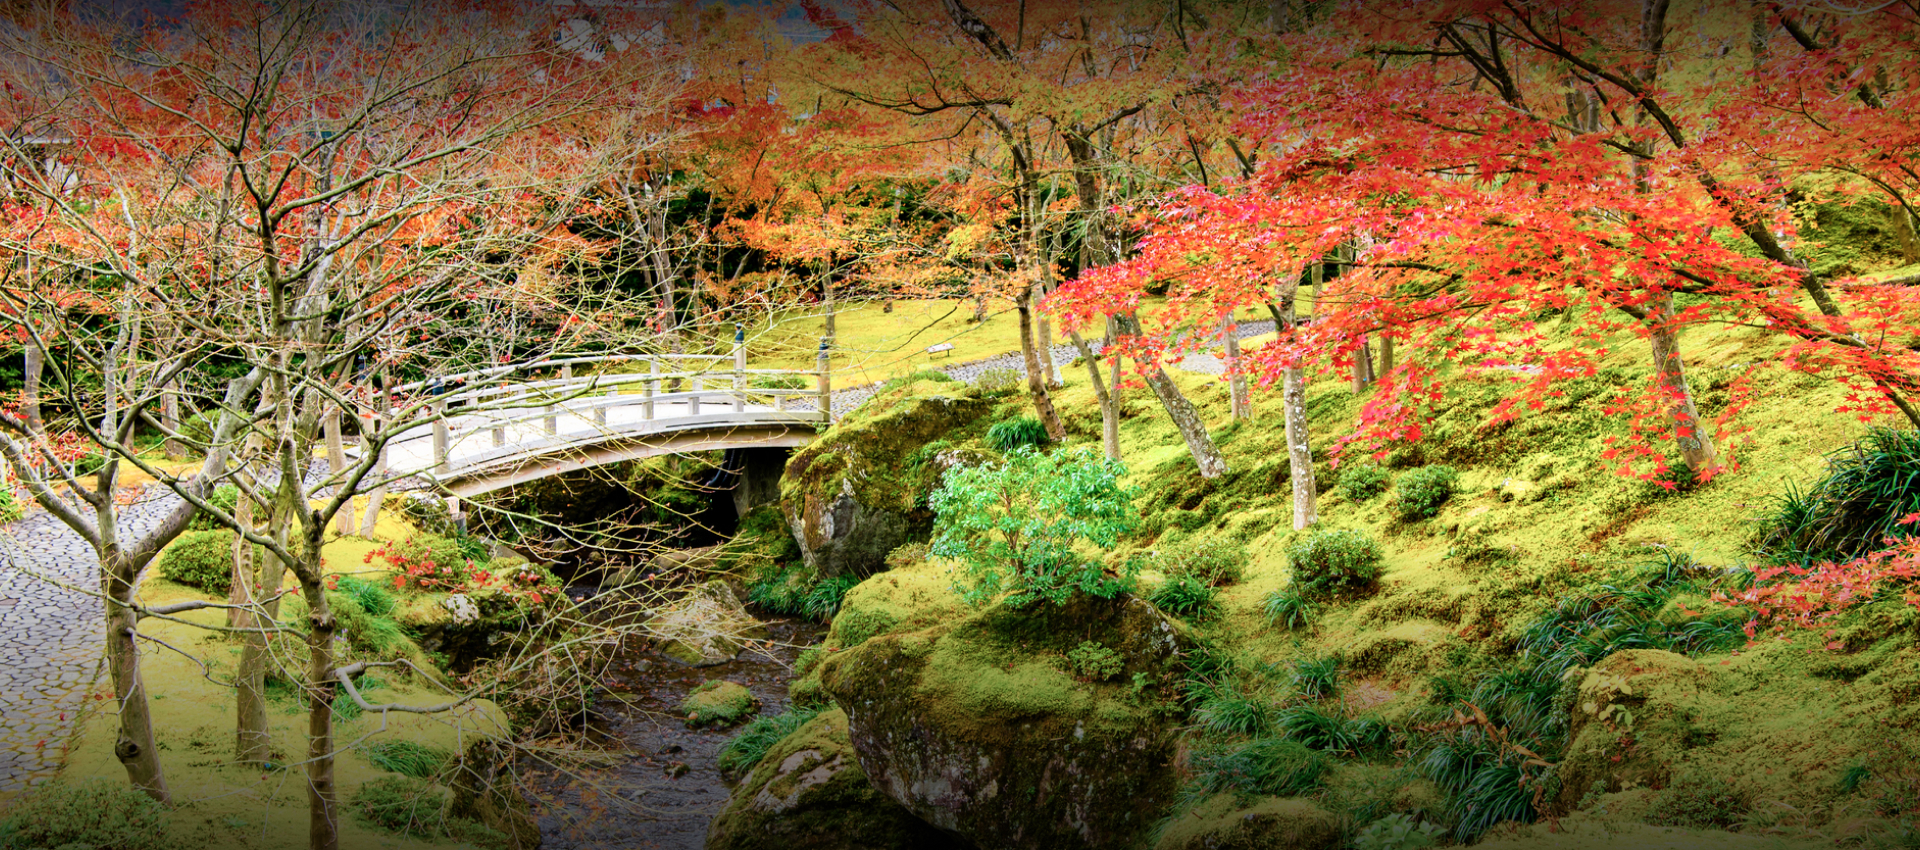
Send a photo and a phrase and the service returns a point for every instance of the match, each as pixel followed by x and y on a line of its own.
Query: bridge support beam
pixel 759 480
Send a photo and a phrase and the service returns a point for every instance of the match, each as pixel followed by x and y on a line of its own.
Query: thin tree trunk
pixel 1386 357
pixel 1293 394
pixel 170 419
pixel 1036 384
pixel 323 816
pixel 1695 444
pixel 377 499
pixel 1362 366
pixel 336 462
pixel 241 591
pixel 1241 403
pixel 1185 418
pixel 134 745
pixel 827 288
pixel 30 390
pixel 253 741
pixel 1043 338
pixel 1109 406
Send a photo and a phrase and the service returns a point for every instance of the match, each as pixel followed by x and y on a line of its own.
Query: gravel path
pixel 50 636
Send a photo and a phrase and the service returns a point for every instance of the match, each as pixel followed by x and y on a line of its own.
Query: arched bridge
pixel 499 428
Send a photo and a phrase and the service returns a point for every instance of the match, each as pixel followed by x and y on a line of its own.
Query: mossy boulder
pixel 809 793
pixel 1629 721
pixel 911 596
pixel 1275 823
pixel 718 703
pixel 485 790
pixel 706 626
pixel 859 490
pixel 977 726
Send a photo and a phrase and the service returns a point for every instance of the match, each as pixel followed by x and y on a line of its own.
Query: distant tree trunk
pixel 1187 419
pixel 1043 337
pixel 1386 357
pixel 1036 384
pixel 253 742
pixel 134 745
pixel 1695 444
pixel 240 592
pixel 30 389
pixel 1109 405
pixel 1241 403
pixel 370 519
pixel 1362 366
pixel 1293 394
pixel 337 461
pixel 827 293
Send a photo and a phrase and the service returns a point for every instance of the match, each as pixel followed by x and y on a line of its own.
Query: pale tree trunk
pixel 244 580
pixel 170 419
pixel 827 289
pixel 1241 402
pixel 253 741
pixel 133 746
pixel 1695 444
pixel 30 389
pixel 1109 405
pixel 1293 395
pixel 1386 357
pixel 336 461
pixel 376 499
pixel 323 815
pixel 1185 418
pixel 1043 336
pixel 1036 383
pixel 1362 366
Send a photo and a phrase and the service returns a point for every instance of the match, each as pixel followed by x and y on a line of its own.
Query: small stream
pixel 662 784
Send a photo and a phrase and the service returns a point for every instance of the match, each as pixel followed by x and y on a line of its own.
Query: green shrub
pixel 202 559
pixel 1398 831
pixel 1186 597
pixel 1290 607
pixel 410 807
pixel 1323 729
pixel 1363 481
pixel 746 749
pixel 1420 493
pixel 1332 562
pixel 1868 487
pixel 1018 526
pixel 408 758
pixel 1094 662
pixel 994 383
pixel 226 497
pixel 1227 710
pixel 97 815
pixel 1317 678
pixel 375 598
pixel 1013 433
pixel 822 600
pixel 1215 560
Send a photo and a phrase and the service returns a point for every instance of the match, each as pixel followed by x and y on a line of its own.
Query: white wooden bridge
pixel 513 424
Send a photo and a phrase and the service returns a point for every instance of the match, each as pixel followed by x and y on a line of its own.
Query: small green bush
pixel 202 559
pixel 1868 487
pixel 226 497
pixel 1021 526
pixel 994 383
pixel 746 749
pixel 96 815
pixel 12 508
pixel 1019 431
pixel 426 513
pixel 1332 562
pixel 1186 597
pixel 410 807
pixel 1094 662
pixel 408 758
pixel 375 598
pixel 1289 607
pixel 1363 481
pixel 1215 560
pixel 1398 831
pixel 1420 493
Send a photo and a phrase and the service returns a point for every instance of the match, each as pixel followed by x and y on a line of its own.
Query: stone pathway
pixel 50 636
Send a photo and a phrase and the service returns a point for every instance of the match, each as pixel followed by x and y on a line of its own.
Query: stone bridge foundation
pixel 758 481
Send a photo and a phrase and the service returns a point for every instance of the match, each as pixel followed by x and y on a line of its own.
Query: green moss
pixel 718 703
pixel 1276 823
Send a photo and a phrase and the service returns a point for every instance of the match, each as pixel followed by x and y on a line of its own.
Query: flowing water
pixel 661 785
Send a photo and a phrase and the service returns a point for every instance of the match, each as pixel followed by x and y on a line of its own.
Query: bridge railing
pixel 507 403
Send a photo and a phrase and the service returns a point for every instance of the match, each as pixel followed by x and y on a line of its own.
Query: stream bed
pixel 661 785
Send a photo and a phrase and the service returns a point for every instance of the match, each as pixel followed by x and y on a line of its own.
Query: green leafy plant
pixel 1868 487
pixel 1317 678
pixel 1363 481
pixel 202 559
pixel 226 497
pixel 1419 494
pixel 1229 710
pixel 995 383
pixel 1013 525
pixel 11 507
pixel 408 758
pixel 1326 563
pixel 1016 432
pixel 1262 767
pixel 1398 831
pixel 374 598
pixel 1186 597
pixel 1289 607
pixel 1094 662
pixel 97 815
pixel 1215 560
pixel 746 749
pixel 823 599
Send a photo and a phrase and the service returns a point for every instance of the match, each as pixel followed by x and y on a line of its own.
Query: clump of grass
pixel 408 758
pixel 95 814
pixel 1486 783
pixel 1868 487
pixel 1420 493
pixel 1262 767
pixel 746 749
pixel 1010 434
pixel 1289 607
pixel 1186 597
pixel 1327 729
pixel 410 807
pixel 795 591
pixel 375 598
pixel 1317 678
pixel 996 383
pixel 1228 710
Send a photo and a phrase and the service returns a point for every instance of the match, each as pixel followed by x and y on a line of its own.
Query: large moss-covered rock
pixel 808 793
pixel 718 703
pixel 1630 720
pixel 913 595
pixel 706 626
pixel 856 493
pixel 1275 823
pixel 978 728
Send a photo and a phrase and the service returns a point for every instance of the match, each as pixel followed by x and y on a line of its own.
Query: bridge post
pixel 739 368
pixel 553 422
pixel 651 386
pixel 826 383
pixel 699 385
pixel 440 435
